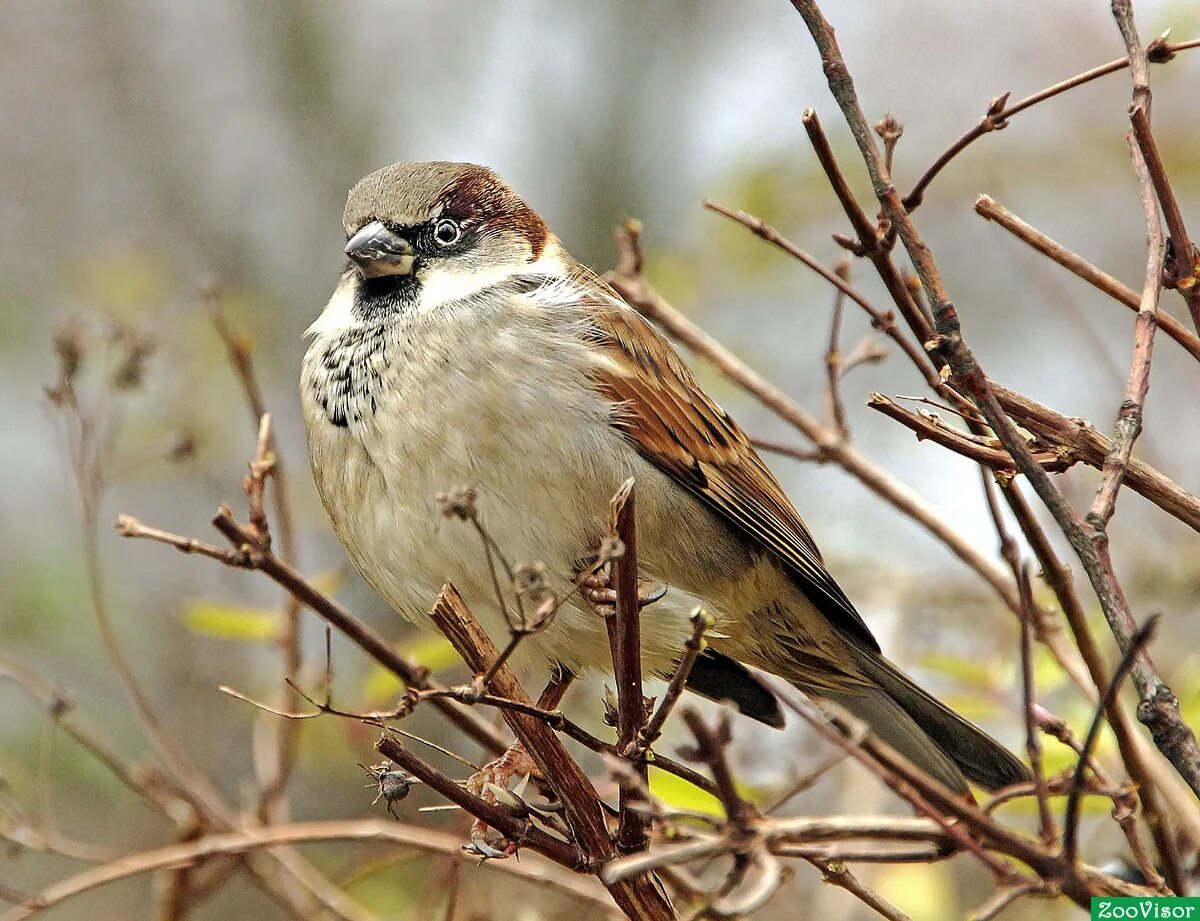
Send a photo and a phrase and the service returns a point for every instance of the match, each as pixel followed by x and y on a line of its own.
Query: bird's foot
pixel 597 591
pixel 491 785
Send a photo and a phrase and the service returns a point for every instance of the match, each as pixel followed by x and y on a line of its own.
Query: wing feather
pixel 672 423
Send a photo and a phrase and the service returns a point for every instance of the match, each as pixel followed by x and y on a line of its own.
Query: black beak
pixel 377 251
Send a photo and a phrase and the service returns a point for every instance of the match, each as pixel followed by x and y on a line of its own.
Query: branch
pixel 1182 270
pixel 710 749
pixel 246 555
pixel 1054 459
pixel 1174 738
pixel 884 322
pixel 1129 419
pixel 273 778
pixel 250 839
pixel 1142 637
pixel 869 242
pixel 1093 447
pixel 702 621
pixel 515 827
pixel 993 211
pixel 999 112
pixel 639 897
pixel 625 639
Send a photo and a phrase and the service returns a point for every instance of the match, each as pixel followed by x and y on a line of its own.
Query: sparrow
pixel 464 346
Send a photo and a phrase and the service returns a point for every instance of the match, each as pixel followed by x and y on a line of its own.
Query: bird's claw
pixel 491 785
pixel 597 590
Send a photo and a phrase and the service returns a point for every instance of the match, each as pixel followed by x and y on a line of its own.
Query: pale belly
pixel 537 448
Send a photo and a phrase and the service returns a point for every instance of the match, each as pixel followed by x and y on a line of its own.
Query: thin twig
pixel 249 839
pixel 835 405
pixel 1144 635
pixel 273 778
pixel 1055 459
pixel 1001 901
pixel 1182 268
pixel 885 322
pixel 1171 733
pixel 869 243
pixel 999 112
pixel 702 621
pixel 1029 625
pixel 992 210
pixel 710 749
pixel 836 873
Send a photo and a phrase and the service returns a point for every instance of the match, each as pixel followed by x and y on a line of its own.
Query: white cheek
pixel 441 286
pixel 339 312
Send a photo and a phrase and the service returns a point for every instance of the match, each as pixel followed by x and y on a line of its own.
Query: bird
pixel 464 348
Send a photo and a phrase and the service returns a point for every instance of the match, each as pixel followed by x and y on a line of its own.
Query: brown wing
pixel 673 424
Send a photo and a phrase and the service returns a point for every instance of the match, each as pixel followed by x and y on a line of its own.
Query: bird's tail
pixel 925 730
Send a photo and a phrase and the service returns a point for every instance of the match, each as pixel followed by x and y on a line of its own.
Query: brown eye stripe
pixel 481 192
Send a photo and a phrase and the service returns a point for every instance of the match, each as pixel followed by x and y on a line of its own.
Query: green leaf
pixel 230 622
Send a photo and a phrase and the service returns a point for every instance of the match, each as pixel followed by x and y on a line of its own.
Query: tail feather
pixel 926 731
pixel 980 757
pixel 891 723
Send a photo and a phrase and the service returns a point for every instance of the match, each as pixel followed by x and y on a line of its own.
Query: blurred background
pixel 150 144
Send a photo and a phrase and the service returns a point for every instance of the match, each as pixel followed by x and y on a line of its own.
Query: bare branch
pixel 1071 815
pixel 1172 735
pixel 999 112
pixel 250 839
pixel 638 897
pixel 994 211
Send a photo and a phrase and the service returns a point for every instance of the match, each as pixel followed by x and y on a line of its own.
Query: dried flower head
pixel 529 580
pixel 889 128
pixel 613 548
pixel 131 370
pixel 68 347
pixel 458 503
pixel 610 706
pixel 183 448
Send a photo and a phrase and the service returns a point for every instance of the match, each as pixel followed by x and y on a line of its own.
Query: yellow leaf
pixel 330 581
pixel 432 651
pixel 921 890
pixel 677 793
pixel 973 672
pixel 229 622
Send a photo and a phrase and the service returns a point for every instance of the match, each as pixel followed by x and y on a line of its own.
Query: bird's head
pixel 420 235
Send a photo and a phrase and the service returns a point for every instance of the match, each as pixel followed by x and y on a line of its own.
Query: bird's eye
pixel 447 232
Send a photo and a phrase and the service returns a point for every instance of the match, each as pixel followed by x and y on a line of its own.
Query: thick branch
pixel 624 633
